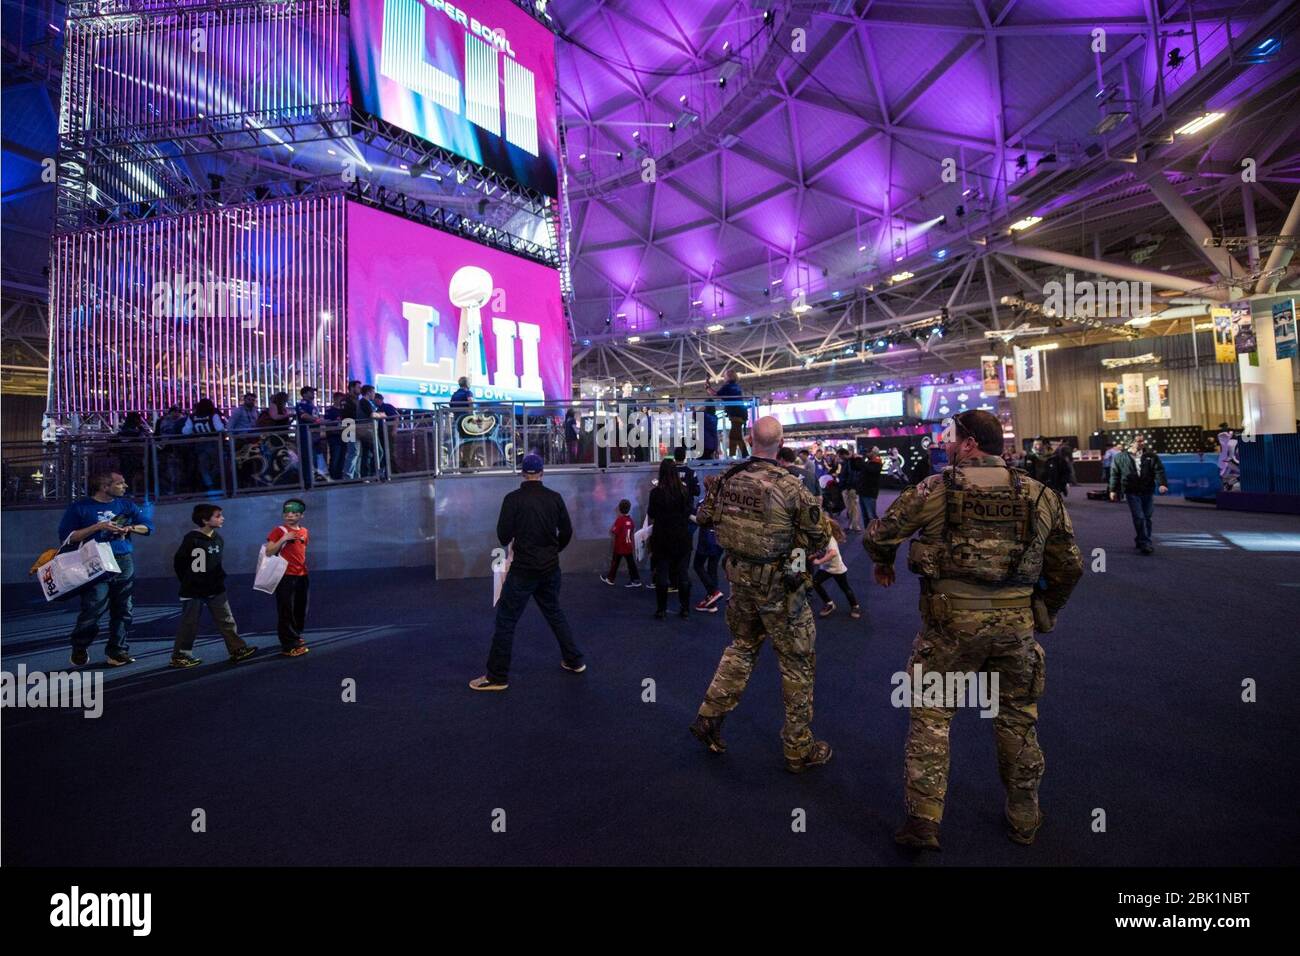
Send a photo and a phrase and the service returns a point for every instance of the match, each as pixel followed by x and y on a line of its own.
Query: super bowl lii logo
pixel 426 374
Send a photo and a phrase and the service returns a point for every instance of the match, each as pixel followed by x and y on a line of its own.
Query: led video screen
pixel 856 408
pixel 426 308
pixel 476 77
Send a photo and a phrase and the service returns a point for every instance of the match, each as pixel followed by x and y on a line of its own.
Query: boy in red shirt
pixel 624 547
pixel 289 540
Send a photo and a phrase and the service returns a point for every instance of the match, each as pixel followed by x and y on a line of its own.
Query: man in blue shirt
pixel 107 516
pixel 462 399
pixel 308 417
pixel 737 413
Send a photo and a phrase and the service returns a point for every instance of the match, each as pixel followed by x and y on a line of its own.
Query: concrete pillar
pixel 1267 390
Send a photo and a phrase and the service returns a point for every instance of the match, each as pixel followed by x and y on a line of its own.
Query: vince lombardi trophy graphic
pixel 471 287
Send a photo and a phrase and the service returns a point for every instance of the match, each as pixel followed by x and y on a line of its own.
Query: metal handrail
pixel 482 437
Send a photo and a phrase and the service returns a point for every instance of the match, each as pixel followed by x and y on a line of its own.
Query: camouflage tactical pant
pixel 1000 641
pixel 754 613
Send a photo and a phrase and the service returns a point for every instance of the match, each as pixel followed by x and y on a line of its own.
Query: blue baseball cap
pixel 532 465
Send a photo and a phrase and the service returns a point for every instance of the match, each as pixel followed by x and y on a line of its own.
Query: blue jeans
pixel 869 507
pixel 1141 506
pixel 111 593
pixel 519 586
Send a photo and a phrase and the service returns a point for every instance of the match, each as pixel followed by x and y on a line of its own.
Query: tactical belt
pixel 983 604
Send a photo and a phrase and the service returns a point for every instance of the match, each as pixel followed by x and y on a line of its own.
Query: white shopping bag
pixel 270 569
pixel 69 571
pixel 499 573
pixel 641 540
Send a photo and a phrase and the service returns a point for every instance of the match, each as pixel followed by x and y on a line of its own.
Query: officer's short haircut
pixel 624 506
pixel 787 455
pixel 983 427
pixel 202 513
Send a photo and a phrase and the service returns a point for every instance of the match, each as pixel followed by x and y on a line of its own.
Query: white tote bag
pixel 69 571
pixel 270 569
pixel 641 540
pixel 499 574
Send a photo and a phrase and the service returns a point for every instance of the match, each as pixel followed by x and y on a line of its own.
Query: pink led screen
pixel 426 308
pixel 476 77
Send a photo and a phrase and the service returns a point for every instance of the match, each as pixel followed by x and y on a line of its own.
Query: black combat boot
pixel 708 731
pixel 818 755
pixel 922 834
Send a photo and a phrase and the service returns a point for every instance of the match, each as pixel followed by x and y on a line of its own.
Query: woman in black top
pixel 670 538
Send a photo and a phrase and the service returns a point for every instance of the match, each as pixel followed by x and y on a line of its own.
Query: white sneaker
pixel 631 584
pixel 607 580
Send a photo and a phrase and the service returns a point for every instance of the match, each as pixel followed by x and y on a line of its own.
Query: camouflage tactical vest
pixel 990 535
pixel 751 520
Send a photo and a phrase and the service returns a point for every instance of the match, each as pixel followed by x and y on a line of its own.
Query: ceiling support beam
pixel 1281 255
pixel 1158 280
pixel 1192 223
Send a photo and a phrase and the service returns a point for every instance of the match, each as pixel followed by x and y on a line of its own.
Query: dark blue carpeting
pixel 1142 718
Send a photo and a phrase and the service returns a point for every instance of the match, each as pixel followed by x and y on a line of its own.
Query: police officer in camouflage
pixel 770 526
pixel 997 562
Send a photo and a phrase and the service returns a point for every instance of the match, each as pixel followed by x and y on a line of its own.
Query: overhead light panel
pixel 1198 124
pixel 1022 224
pixel 901 276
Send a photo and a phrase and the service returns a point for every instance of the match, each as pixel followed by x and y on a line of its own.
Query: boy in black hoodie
pixel 203 581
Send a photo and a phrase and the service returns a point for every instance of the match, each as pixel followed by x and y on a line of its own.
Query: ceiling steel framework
pixel 637 271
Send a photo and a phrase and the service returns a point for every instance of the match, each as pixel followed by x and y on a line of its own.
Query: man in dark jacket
pixel 869 483
pixel 1136 475
pixel 197 564
pixel 535 522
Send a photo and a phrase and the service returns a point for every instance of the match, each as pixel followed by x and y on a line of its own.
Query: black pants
pixel 677 570
pixel 515 592
pixel 632 572
pixel 706 569
pixel 291 609
pixel 820 577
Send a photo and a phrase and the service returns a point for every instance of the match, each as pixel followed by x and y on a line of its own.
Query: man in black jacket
pixel 535 521
pixel 197 564
pixel 1136 475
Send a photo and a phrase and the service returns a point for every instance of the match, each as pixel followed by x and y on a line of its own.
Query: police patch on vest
pixel 988 508
pixel 745 499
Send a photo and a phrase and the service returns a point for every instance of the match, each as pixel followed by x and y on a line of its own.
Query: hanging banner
pixel 1224 351
pixel 1158 399
pixel 1009 376
pixel 1112 409
pixel 1029 370
pixel 1243 328
pixel 1284 334
pixel 989 375
pixel 1134 395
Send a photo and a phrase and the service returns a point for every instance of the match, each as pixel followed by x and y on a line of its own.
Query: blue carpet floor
pixel 1142 718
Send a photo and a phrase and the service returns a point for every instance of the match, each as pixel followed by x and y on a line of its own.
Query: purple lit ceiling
pixel 817 168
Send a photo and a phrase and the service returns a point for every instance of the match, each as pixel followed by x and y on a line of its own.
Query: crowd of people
pixel 270 443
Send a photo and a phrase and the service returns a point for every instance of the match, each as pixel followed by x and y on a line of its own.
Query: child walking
pixel 197 564
pixel 624 548
pixel 289 540
pixel 832 565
